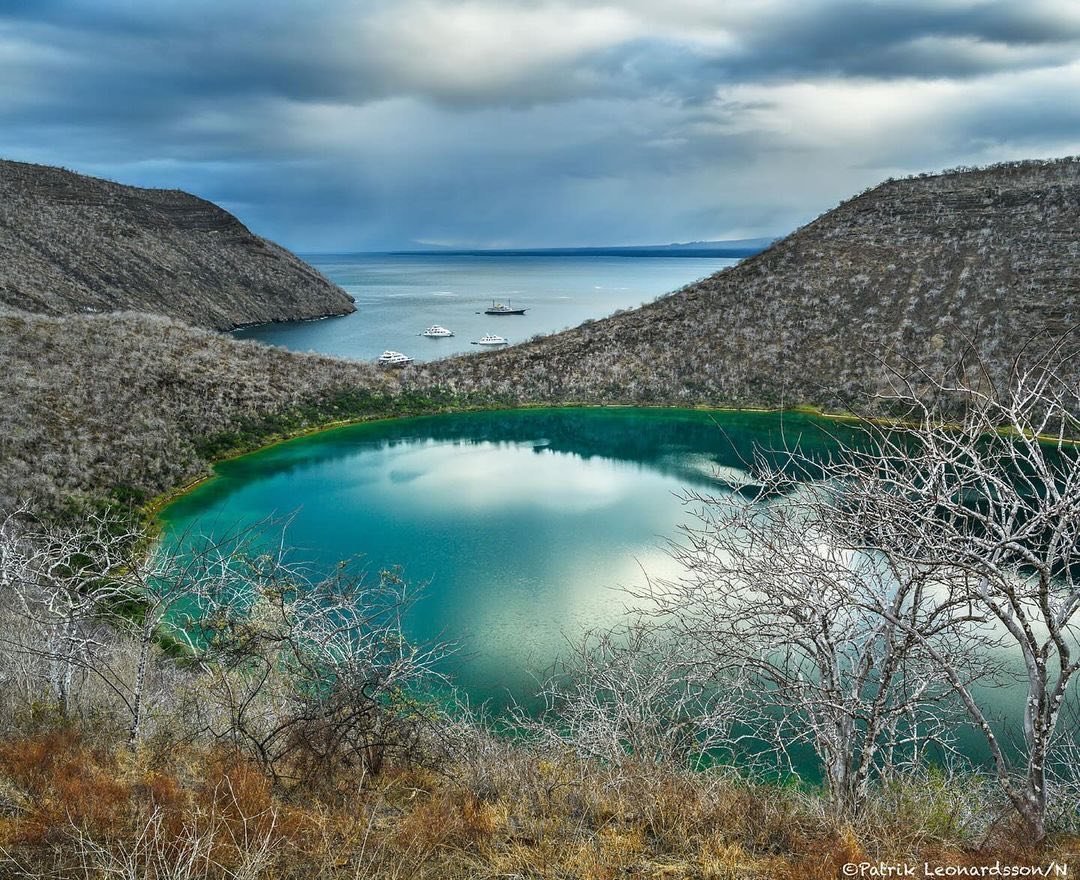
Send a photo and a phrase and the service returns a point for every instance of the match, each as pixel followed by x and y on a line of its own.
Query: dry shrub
pixel 679 811
pixel 66 783
pixel 448 819
pixel 672 812
pixel 1009 849
pixel 238 799
pixel 77 809
pixel 611 853
pixel 235 787
pixel 764 819
pixel 824 858
pixel 719 859
pixel 162 795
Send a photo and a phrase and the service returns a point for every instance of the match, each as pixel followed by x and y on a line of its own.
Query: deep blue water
pixel 399 295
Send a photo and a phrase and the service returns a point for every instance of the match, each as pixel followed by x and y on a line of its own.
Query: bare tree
pixel 304 674
pixel 88 608
pixel 772 591
pixel 638 693
pixel 308 675
pixel 65 584
pixel 872 592
pixel 989 506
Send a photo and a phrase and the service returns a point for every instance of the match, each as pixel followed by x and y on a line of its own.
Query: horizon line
pixel 732 248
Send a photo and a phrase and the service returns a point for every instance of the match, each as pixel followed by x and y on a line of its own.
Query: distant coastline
pixel 729 249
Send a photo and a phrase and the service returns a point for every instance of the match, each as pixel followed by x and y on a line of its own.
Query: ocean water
pixel 399 295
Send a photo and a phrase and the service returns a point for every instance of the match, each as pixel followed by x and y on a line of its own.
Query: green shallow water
pixel 524 524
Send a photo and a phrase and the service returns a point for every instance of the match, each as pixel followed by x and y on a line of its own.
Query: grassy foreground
pixel 75 804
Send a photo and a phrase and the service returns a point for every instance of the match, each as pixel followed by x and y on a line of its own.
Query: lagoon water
pixel 399 295
pixel 528 526
pixel 525 525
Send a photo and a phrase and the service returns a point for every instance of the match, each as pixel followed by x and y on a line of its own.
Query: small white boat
pixel 393 359
pixel 491 339
pixel 436 332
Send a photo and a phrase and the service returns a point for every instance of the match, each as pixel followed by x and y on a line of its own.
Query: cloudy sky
pixel 366 124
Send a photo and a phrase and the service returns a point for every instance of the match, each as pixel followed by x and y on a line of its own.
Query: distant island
pixel 735 248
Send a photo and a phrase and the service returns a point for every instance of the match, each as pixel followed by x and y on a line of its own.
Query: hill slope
pixel 70 243
pixel 92 404
pixel 914 270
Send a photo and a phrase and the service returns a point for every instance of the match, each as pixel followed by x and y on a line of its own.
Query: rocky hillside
pixel 131 404
pixel 70 243
pixel 913 272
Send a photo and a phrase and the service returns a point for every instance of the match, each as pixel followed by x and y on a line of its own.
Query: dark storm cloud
pixel 330 51
pixel 350 124
pixel 907 39
pixel 356 52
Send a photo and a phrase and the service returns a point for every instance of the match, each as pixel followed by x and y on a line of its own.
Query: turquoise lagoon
pixel 525 526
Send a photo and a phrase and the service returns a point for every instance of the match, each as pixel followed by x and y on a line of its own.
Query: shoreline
pixel 151 510
pixel 250 324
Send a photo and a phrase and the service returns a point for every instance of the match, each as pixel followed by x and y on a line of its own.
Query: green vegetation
pixel 340 406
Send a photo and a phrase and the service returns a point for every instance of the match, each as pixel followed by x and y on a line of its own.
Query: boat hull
pixel 393 359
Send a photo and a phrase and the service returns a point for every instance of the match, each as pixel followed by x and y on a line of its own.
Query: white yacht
pixel 491 339
pixel 393 359
pixel 436 332
pixel 498 308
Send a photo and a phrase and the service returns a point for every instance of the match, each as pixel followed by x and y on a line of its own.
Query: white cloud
pixel 874 120
pixel 477 50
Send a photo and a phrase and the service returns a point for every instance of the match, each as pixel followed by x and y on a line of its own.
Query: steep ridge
pixel 915 273
pixel 71 243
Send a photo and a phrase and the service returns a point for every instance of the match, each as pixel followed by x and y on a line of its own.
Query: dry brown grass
pixel 72 809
